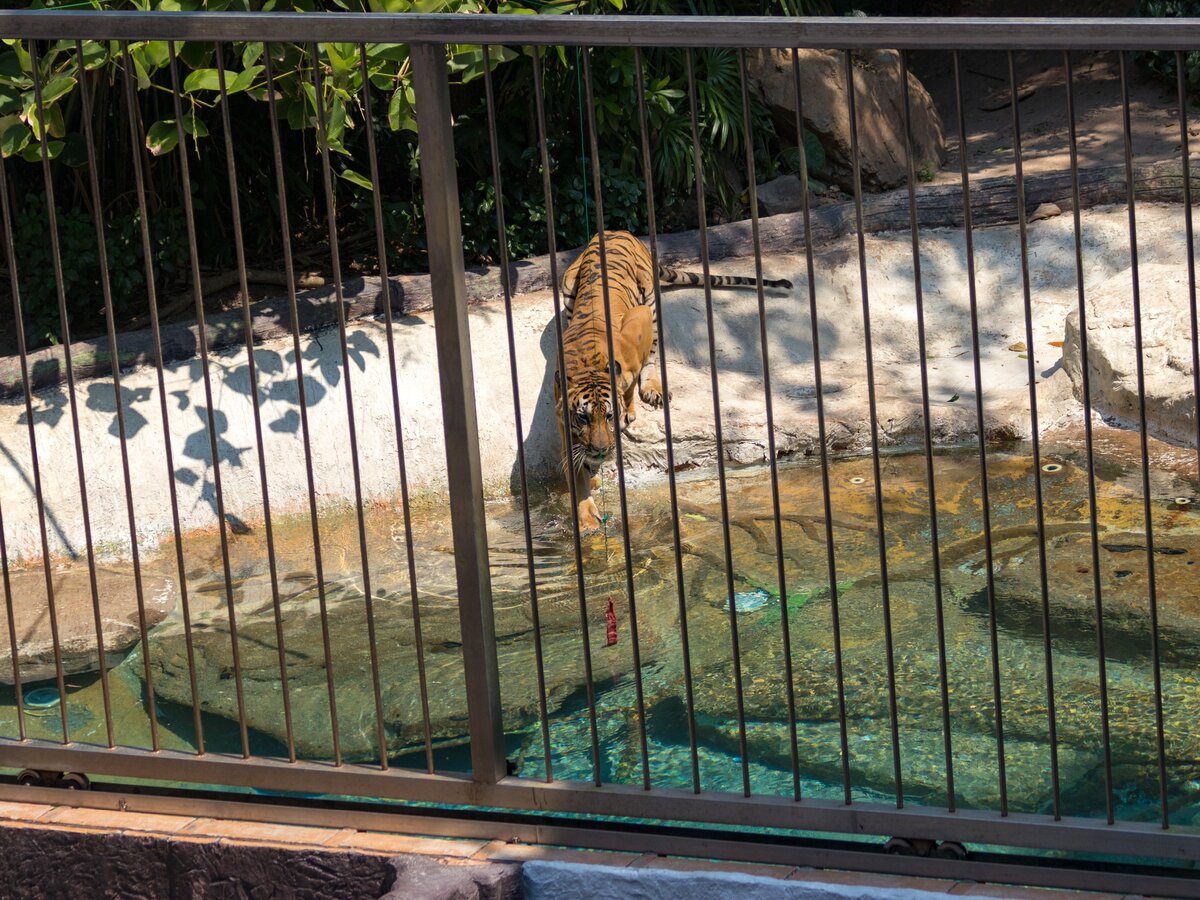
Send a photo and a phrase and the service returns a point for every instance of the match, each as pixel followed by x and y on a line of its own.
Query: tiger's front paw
pixel 652 393
pixel 589 516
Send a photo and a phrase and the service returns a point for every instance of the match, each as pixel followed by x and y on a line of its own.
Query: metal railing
pixel 489 784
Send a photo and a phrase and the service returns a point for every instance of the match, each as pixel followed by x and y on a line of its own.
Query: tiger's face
pixel 593 414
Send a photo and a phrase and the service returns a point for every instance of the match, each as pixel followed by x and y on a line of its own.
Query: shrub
pixel 1162 64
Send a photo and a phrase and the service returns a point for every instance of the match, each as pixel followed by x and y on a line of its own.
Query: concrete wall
pixel 739 363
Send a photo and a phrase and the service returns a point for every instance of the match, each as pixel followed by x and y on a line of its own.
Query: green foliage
pixel 80 256
pixel 339 104
pixel 1162 64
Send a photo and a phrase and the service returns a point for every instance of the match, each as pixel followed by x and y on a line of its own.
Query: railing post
pixel 440 191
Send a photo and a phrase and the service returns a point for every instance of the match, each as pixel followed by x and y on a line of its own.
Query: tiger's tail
pixel 682 277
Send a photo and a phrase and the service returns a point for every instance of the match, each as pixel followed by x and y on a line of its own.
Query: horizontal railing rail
pixel 616 31
pixel 300 760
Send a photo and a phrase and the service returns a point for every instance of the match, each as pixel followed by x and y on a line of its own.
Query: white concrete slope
pixel 739 362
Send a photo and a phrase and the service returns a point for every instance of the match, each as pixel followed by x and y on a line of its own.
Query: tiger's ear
pixel 617 366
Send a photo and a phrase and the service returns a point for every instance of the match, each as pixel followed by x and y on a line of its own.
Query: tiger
pixel 590 405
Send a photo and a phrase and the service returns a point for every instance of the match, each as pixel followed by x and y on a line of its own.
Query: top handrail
pixel 822 32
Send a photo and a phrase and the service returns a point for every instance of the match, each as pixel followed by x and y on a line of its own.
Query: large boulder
pixel 880 111
pixel 1112 353
pixel 75 618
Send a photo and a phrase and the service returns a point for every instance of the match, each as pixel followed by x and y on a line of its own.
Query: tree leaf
pixel 254 50
pixel 139 69
pixel 15 139
pixel 400 110
pixel 392 52
pixel 56 87
pixel 355 178
pixel 336 124
pixel 195 55
pixel 95 54
pixel 194 126
pixel 10 99
pixel 243 80
pixel 162 137
pixel 33 153
pixel 10 66
pixel 202 80
pixel 55 126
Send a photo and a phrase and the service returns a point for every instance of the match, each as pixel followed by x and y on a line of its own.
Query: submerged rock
pixel 911 610
pixel 75 618
pixel 303 628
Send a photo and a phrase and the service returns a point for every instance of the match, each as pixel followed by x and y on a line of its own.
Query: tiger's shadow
pixel 541 445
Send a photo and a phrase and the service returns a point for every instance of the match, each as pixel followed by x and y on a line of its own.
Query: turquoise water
pixel 664 715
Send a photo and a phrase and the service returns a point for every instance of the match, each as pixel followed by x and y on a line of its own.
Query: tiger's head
pixel 593 414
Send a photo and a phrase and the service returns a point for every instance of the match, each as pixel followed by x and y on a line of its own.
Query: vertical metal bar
pixel 985 493
pixel 651 226
pixel 202 334
pixel 435 138
pixel 590 110
pixel 106 289
pixel 879 523
pixel 1145 446
pixel 13 647
pixel 1101 658
pixel 1189 235
pixel 568 450
pixel 352 431
pixel 56 255
pixel 1035 437
pixel 502 243
pixel 18 327
pixel 239 251
pixel 822 434
pixel 148 263
pixel 930 480
pixel 698 165
pixel 302 396
pixel 785 627
pixel 410 551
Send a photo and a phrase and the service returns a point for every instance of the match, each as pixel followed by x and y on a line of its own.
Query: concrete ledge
pixel 55 851
pixel 546 880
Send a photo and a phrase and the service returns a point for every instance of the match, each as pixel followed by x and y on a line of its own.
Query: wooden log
pixel 993 202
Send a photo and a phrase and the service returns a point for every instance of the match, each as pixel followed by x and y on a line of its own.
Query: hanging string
pixel 587 214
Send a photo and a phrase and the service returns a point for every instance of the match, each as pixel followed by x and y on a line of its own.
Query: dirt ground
pixel 1041 79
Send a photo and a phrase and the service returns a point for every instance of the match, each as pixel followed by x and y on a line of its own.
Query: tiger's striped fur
pixel 591 406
